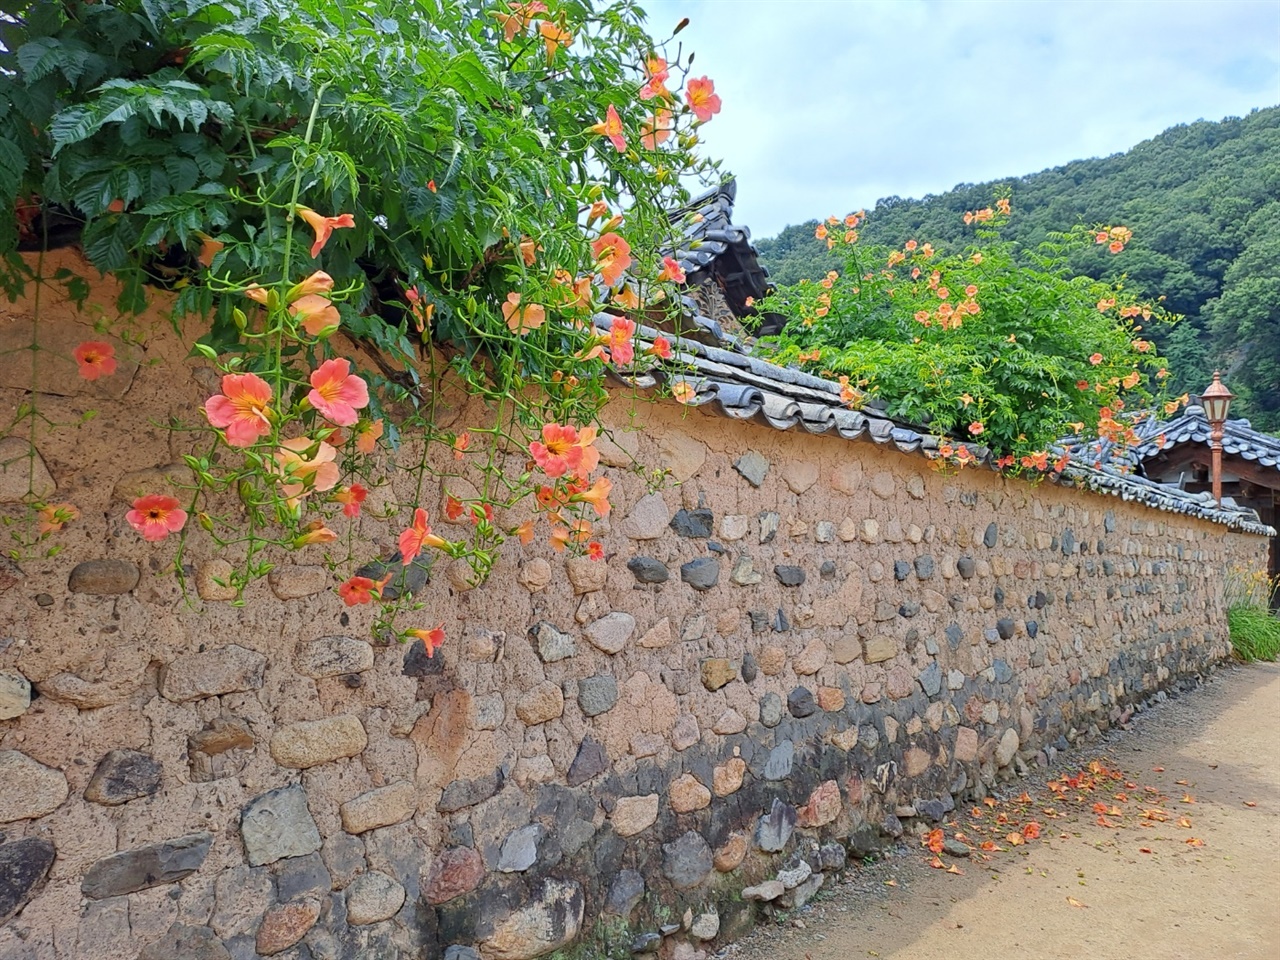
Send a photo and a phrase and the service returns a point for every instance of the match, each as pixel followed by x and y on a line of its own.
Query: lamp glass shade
pixel 1216 401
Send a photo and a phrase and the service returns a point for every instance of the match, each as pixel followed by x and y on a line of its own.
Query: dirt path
pixel 1211 757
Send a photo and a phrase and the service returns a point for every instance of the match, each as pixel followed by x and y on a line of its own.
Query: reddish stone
pixel 900 683
pixel 871 693
pixel 917 761
pixel 457 871
pixel 285 925
pixel 973 709
pixel 831 699
pixel 823 806
pixel 853 787
pixel 966 744
pixel 729 856
pixel 1074 676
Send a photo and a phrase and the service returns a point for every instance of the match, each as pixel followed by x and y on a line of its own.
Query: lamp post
pixel 1216 401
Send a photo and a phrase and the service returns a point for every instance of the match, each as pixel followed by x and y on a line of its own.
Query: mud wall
pixel 797 649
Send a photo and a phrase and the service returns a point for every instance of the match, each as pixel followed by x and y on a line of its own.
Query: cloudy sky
pixel 830 105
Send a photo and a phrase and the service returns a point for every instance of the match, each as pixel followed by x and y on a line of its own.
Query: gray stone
pixel 211 673
pixel 648 570
pixel 788 575
pixel 966 567
pixel 332 657
pixel 800 702
pixel 24 864
pixel 924 567
pixel 405 580
pixel 145 867
pixel 774 828
pixel 827 570
pixel 551 920
pixel 931 679
pixel 764 892
pixel 991 536
pixel 277 824
pixel 182 942
pixel 769 521
pixel 1007 748
pixel 780 622
pixel 30 789
pixel 1109 522
pixel 753 466
pixel 693 523
pixel 1006 628
pixel 750 668
pixel 551 644
pixel 520 849
pixel 1068 542
pixel 625 893
pixel 832 856
pixel 954 635
pixel 901 569
pixel 459 952
pixel 701 574
pixel 954 848
pixel 1004 673
pixel 647 519
pixel 15 694
pixel 104 578
pixel 373 897
pixel 687 861
pixel 460 794
pixel 781 757
pixel 611 632
pixel 597 695
pixel 770 709
pixel 705 926
pixel 797 898
pixel 645 944
pixel 891 826
pixel 123 775
pixel 792 878
pixel 418 662
pixel 303 875
pixel 934 810
pixel 590 761
pixel 343 856
pixel 909 609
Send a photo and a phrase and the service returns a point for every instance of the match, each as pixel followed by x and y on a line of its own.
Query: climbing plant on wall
pixel 362 199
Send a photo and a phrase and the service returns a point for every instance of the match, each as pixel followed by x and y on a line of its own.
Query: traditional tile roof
pixel 711 249
pixel 1238 438
pixel 1191 426
pixel 742 387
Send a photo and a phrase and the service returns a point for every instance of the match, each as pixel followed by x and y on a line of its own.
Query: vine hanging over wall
pixel 366 202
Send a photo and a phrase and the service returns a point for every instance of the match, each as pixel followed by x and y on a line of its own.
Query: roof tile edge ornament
pixel 745 388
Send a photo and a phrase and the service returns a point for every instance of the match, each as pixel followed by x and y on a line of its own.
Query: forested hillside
pixel 1203 201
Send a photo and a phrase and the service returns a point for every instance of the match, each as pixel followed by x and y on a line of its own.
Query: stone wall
pixel 798 649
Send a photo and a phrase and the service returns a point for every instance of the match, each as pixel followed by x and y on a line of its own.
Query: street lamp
pixel 1216 402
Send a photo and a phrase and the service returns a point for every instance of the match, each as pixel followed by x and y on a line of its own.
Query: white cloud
pixel 829 106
